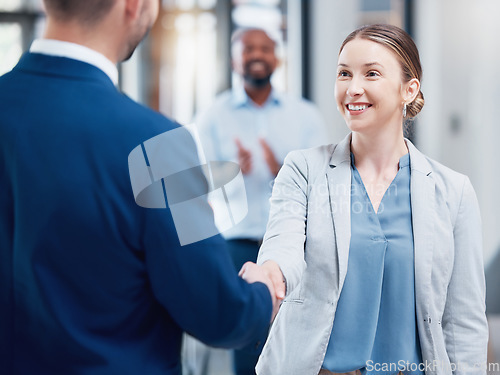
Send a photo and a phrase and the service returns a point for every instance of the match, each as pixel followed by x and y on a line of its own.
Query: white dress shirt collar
pixel 76 52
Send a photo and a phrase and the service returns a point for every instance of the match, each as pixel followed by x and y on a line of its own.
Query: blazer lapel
pixel 423 212
pixel 339 188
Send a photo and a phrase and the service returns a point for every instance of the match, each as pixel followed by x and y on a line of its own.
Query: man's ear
pixel 277 63
pixel 132 8
pixel 411 91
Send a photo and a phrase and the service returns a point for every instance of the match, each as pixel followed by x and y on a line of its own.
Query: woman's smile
pixel 356 109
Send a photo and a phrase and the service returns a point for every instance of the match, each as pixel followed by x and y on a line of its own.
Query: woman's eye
pixel 373 74
pixel 343 73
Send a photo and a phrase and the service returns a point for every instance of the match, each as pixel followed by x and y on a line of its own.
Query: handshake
pixel 270 274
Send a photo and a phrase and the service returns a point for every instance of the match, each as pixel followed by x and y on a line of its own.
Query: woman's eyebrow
pixel 366 65
pixel 373 63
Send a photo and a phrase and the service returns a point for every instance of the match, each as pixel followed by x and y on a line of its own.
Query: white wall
pixel 331 21
pixel 459 126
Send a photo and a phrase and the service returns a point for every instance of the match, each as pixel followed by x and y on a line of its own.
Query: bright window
pixel 10 46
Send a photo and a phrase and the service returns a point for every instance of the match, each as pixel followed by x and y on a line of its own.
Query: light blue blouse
pixel 375 322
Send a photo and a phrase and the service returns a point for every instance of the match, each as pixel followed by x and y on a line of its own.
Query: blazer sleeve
pixel 197 283
pixel 464 320
pixel 286 229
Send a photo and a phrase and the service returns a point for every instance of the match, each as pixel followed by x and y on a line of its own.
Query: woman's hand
pixel 270 274
pixel 274 273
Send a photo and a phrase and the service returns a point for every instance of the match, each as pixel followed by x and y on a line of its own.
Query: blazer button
pixel 257 345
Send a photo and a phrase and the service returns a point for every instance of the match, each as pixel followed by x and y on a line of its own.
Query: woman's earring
pixel 404 110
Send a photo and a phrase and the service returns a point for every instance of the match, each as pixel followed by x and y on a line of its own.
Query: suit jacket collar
pixel 342 152
pixel 423 211
pixel 78 52
pixel 40 64
pixel 418 161
pixel 339 187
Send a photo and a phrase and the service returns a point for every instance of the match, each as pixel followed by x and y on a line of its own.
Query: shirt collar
pixel 240 98
pixel 76 52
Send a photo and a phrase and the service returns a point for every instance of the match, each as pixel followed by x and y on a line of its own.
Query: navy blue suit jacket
pixel 91 283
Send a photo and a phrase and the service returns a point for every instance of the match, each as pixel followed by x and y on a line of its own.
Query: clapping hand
pixel 270 274
pixel 269 157
pixel 244 157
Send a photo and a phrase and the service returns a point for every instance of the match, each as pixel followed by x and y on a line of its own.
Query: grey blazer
pixel 308 235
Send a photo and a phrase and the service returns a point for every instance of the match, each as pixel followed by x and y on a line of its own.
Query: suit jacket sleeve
pixel 464 320
pixel 197 283
pixel 286 230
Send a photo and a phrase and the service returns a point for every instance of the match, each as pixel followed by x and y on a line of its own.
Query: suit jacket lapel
pixel 423 213
pixel 339 187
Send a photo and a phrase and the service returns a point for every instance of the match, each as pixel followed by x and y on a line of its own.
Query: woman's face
pixel 369 87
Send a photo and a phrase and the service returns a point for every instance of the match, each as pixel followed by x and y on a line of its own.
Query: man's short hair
pixel 238 34
pixel 84 11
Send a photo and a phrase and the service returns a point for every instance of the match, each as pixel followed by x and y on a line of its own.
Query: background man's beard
pixel 257 82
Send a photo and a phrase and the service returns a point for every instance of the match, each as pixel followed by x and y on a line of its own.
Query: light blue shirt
pixel 375 321
pixel 286 123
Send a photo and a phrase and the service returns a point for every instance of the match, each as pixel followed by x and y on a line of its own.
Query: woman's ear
pixel 412 88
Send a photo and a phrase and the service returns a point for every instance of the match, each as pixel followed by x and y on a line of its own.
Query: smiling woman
pixel 379 277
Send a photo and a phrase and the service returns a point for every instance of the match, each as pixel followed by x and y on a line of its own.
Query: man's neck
pixel 258 95
pixel 74 34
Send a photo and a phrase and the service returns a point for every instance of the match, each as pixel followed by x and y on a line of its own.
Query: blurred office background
pixel 185 62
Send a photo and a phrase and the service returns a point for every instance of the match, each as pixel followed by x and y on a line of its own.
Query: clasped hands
pixel 270 274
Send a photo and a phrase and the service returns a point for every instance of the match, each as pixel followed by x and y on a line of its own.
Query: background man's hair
pixel 85 11
pixel 238 34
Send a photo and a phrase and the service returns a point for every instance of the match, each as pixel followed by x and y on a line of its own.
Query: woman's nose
pixel 355 87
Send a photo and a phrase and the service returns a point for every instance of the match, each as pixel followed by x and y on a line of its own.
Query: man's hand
pixel 269 157
pixel 244 157
pixel 270 275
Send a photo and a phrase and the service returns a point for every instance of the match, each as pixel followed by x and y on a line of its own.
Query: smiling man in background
pixel 257 127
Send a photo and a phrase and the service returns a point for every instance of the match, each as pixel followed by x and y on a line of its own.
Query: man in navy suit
pixel 90 281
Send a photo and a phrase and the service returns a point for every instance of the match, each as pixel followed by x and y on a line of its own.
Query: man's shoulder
pixel 301 108
pixel 222 101
pixel 104 104
pixel 140 118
